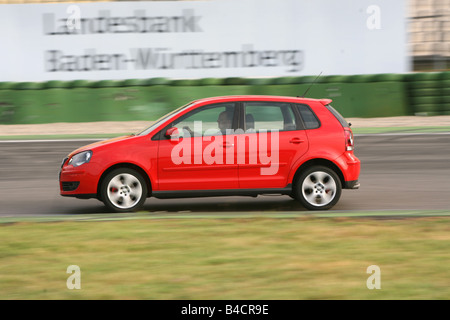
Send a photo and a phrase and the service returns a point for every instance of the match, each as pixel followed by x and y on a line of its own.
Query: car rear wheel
pixel 318 188
pixel 124 190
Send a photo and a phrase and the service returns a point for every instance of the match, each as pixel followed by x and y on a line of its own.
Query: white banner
pixel 199 39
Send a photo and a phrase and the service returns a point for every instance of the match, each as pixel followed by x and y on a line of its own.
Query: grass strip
pixel 61 136
pixel 394 214
pixel 295 257
pixel 375 130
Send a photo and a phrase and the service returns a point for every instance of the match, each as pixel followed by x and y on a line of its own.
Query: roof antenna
pixel 311 84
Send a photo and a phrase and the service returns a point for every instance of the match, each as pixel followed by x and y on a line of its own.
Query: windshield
pixel 162 119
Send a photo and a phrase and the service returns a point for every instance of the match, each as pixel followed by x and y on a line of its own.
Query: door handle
pixel 227 145
pixel 296 140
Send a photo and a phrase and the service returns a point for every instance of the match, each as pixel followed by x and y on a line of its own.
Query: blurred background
pixel 85 61
pixel 71 64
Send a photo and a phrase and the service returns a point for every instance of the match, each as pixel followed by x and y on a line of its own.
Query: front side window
pixel 206 121
pixel 269 116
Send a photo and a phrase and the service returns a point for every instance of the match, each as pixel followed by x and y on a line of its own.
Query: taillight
pixel 349 142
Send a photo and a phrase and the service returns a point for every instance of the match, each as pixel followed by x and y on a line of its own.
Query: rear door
pixel 273 140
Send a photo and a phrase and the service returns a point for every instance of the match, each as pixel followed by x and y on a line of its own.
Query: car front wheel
pixel 318 188
pixel 123 190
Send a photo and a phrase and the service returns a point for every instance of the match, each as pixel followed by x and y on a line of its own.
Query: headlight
pixel 80 158
pixel 64 161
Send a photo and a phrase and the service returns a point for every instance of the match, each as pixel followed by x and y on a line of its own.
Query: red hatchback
pixel 222 146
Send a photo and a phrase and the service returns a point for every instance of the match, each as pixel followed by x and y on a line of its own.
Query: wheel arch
pixel 129 166
pixel 318 162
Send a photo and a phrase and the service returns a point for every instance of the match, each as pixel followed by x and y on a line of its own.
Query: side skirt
pixel 220 193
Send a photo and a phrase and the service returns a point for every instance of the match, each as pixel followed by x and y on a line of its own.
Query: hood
pixel 98 144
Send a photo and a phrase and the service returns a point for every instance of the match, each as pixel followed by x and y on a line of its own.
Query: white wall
pixel 197 39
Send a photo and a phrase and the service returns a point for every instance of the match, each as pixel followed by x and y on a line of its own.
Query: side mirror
pixel 172 133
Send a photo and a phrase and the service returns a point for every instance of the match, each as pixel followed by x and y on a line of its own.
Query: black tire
pixel 123 190
pixel 318 188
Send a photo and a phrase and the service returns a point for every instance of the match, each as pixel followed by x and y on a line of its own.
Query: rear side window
pixel 269 116
pixel 338 116
pixel 309 118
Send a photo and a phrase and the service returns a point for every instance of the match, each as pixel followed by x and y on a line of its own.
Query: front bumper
pixel 75 182
pixel 69 185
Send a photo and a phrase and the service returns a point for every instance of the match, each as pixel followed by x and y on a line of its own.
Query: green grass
pixel 304 257
pixel 62 136
pixel 401 130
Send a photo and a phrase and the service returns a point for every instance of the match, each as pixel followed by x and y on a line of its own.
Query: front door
pixel 203 156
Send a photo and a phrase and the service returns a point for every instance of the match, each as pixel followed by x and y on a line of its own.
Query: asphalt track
pixel 399 172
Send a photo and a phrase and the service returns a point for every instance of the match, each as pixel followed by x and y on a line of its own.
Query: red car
pixel 222 146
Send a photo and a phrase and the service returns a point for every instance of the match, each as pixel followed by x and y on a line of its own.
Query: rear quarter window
pixel 309 119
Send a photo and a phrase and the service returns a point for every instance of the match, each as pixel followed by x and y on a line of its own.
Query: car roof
pixel 261 98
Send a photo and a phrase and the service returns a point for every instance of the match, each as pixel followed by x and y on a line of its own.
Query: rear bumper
pixel 350 167
pixel 352 184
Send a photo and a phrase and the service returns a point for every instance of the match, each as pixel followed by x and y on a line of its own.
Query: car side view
pixel 222 146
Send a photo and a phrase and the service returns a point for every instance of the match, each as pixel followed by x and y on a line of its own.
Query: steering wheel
pixel 186 128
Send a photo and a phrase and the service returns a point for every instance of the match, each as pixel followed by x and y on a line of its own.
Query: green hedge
pixel 377 95
pixel 427 91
